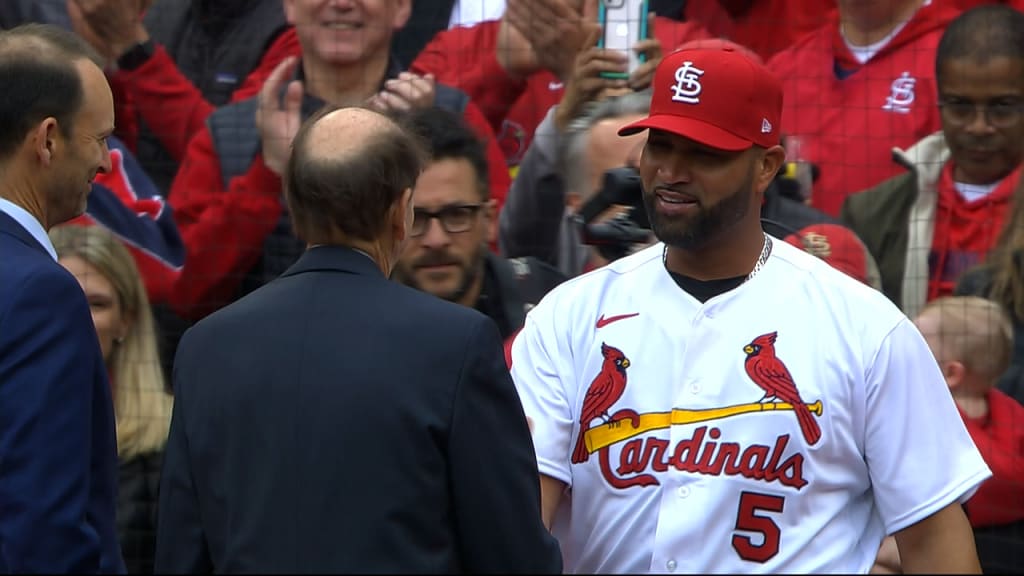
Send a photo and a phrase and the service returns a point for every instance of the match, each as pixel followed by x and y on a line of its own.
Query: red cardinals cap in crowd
pixel 841 248
pixel 717 93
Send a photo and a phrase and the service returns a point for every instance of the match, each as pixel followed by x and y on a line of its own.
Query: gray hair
pixel 573 157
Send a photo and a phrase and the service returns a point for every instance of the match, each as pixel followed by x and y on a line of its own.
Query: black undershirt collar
pixel 704 290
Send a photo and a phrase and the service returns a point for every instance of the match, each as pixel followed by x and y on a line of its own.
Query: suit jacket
pixel 336 421
pixel 58 447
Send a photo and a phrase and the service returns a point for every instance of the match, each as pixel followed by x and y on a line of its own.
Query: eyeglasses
pixel 996 114
pixel 454 219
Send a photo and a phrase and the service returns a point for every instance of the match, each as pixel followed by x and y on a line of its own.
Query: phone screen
pixel 623 23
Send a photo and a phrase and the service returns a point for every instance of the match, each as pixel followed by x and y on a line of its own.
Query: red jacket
pixel 849 123
pixel 1000 439
pixel 464 57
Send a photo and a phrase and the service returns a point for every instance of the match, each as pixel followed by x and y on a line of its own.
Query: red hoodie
pixel 464 57
pixel 849 116
pixel 965 230
pixel 1000 439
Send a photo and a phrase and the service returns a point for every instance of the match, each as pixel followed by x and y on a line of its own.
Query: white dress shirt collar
pixel 29 223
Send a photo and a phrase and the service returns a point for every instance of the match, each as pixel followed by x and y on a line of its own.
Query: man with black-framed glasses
pixel 928 226
pixel 447 254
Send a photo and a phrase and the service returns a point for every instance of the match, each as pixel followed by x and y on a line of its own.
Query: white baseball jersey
pixel 787 425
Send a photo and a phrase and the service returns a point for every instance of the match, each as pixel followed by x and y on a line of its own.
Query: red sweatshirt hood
pixel 928 18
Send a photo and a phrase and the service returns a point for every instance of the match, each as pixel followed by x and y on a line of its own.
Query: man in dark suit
pixel 58 452
pixel 335 421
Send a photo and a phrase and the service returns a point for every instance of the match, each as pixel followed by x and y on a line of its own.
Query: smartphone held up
pixel 623 24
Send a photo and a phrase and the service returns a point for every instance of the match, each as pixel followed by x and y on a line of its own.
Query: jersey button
pixel 671 565
pixel 684 491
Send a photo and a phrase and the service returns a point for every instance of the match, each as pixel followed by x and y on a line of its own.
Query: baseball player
pixel 723 401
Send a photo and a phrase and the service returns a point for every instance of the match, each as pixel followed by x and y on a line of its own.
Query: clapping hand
pixel 407 92
pixel 278 119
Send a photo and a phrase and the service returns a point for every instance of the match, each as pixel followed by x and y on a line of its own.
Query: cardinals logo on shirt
pixel 706 451
pixel 902 94
pixel 605 390
pixel 768 372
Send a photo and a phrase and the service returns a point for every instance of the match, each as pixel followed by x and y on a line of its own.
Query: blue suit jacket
pixel 58 447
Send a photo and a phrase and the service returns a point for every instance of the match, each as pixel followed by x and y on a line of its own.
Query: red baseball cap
pixel 841 248
pixel 717 93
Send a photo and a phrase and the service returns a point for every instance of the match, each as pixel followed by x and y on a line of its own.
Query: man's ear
pixel 768 166
pixel 490 210
pixel 401 217
pixel 45 140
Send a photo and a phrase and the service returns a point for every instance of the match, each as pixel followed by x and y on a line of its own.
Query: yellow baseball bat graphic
pixel 604 435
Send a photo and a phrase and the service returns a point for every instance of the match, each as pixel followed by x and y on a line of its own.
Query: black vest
pixel 236 141
pixel 215 48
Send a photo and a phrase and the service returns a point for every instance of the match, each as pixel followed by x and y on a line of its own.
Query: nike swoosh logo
pixel 554 86
pixel 602 321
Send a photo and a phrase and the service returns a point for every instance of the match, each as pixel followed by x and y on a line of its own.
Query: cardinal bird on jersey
pixel 771 374
pixel 604 391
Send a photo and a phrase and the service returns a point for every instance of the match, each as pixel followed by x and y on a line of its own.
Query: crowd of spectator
pixel 903 123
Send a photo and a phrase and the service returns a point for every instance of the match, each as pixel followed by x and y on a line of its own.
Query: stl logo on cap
pixel 717 93
pixel 687 88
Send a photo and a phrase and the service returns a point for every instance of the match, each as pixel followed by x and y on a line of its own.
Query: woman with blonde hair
pixel 127 333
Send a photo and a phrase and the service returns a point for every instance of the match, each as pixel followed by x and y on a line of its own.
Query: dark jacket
pixel 336 421
pixel 895 221
pixel 511 287
pixel 58 449
pixel 138 487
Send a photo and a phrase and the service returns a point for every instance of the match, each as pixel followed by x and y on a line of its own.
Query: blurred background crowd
pixel 904 137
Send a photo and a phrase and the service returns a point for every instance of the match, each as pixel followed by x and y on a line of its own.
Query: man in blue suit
pixel 58 453
pixel 334 421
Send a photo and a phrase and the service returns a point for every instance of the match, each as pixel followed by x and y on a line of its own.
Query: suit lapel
pixel 11 227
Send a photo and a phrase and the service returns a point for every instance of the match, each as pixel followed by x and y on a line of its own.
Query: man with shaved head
pixel 335 421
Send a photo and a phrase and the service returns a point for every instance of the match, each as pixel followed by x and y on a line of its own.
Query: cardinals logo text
pixel 706 450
